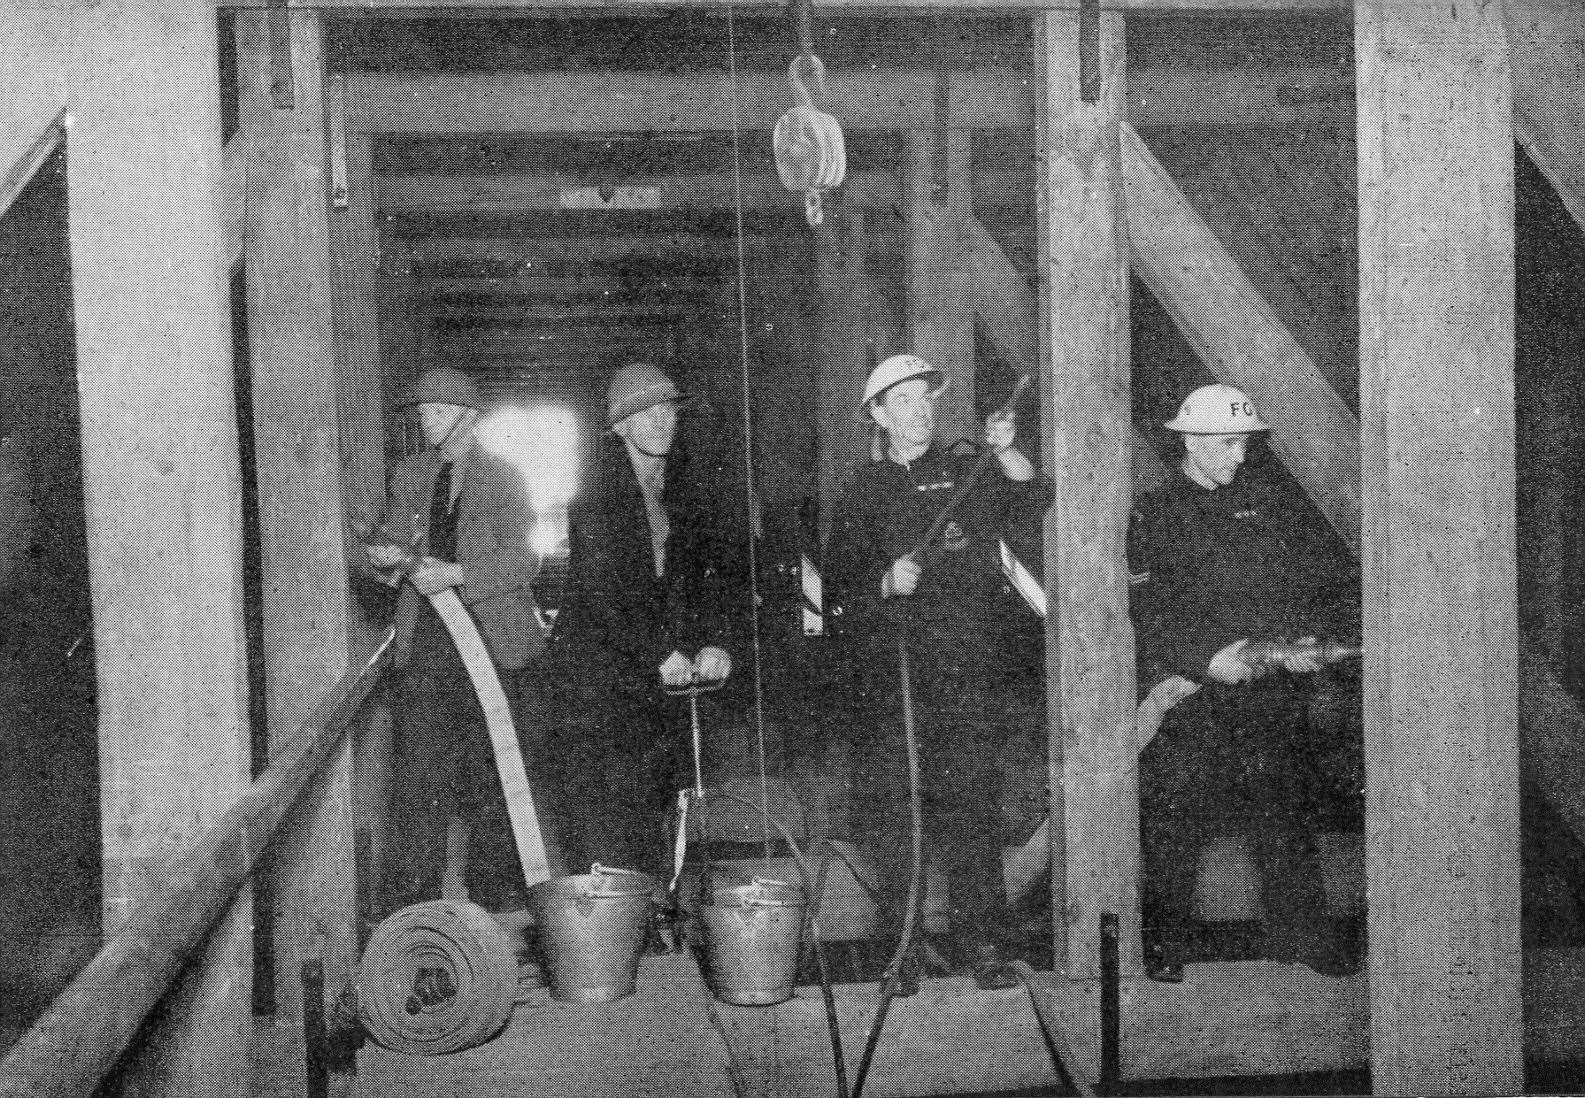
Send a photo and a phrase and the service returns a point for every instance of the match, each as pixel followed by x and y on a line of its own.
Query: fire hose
pixel 1263 657
pixel 439 976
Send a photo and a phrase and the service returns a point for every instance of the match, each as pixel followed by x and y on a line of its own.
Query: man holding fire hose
pixel 1219 562
pixel 950 591
pixel 465 512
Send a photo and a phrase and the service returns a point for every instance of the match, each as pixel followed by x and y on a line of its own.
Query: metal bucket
pixel 592 929
pixel 751 941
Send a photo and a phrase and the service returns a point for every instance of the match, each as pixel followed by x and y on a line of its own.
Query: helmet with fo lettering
pixel 894 371
pixel 1216 410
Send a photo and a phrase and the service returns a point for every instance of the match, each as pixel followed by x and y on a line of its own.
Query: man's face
pixel 651 430
pixel 1216 458
pixel 908 413
pixel 442 421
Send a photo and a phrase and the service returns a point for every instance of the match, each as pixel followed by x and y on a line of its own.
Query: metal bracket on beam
pixel 336 121
pixel 282 94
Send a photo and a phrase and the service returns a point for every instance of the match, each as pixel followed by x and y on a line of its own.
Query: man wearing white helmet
pixel 1220 558
pixel 958 628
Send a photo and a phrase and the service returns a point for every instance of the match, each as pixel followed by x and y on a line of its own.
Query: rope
pixel 748 436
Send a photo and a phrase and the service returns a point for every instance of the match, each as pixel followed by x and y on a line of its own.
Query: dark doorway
pixel 50 885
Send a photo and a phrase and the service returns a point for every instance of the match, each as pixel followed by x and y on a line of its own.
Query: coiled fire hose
pixel 440 977
pixel 437 977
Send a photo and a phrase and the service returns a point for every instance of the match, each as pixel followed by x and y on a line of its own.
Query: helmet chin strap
pixel 451 432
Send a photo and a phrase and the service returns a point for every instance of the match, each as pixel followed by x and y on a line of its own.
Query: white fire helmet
pixel 1217 410
pixel 896 370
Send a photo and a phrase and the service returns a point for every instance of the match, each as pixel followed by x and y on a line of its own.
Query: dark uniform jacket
pixel 1212 567
pixel 616 612
pixel 887 507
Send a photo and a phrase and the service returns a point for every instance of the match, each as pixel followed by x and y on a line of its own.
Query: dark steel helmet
pixel 445 385
pixel 637 386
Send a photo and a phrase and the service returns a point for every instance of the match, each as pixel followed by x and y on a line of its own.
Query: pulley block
pixel 811 155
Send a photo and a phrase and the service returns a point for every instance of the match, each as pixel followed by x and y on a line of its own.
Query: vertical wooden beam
pixel 1437 419
pixel 397 305
pixel 840 267
pixel 355 259
pixel 162 481
pixel 1085 412
pixel 302 529
pixel 940 323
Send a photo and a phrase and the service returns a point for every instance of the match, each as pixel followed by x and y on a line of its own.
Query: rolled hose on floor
pixel 437 977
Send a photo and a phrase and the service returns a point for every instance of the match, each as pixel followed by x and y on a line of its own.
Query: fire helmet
pixel 896 370
pixel 1217 410
pixel 635 387
pixel 444 385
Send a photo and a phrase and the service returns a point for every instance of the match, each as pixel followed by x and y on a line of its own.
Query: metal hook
pixel 817 70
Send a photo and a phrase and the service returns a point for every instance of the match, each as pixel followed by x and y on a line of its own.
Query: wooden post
pixel 302 529
pixel 355 257
pixel 840 251
pixel 1089 440
pixel 1437 421
pixel 399 323
pixel 162 481
pixel 940 321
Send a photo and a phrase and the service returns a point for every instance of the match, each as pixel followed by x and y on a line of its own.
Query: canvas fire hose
pixel 440 977
pixel 1030 861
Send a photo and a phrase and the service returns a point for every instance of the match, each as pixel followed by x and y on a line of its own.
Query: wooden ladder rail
pixel 90 1025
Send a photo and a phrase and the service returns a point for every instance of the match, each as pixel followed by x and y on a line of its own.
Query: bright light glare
pixel 542 441
pixel 549 533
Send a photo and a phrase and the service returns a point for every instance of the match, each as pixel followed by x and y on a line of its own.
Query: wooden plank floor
pixel 673 1038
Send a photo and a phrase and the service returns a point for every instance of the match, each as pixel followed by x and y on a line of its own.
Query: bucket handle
pixel 604 874
pixel 759 894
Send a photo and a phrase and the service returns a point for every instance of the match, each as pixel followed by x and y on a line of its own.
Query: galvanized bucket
pixel 751 941
pixel 592 929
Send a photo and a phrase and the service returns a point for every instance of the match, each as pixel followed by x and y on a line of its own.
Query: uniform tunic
pixel 961 625
pixel 1210 568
